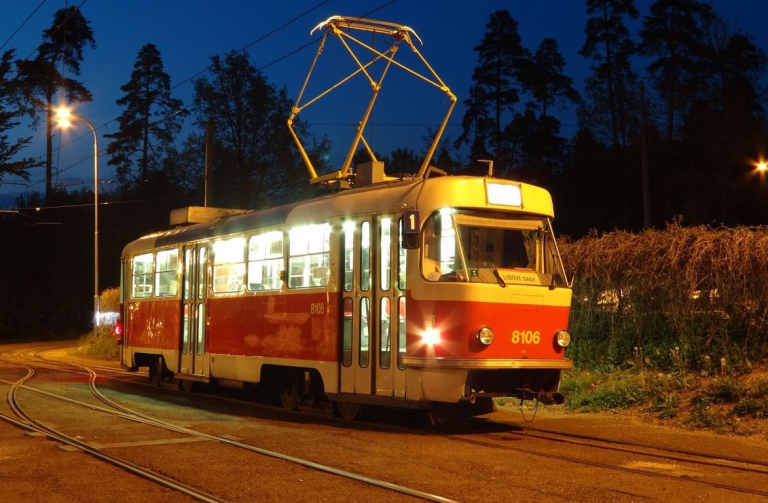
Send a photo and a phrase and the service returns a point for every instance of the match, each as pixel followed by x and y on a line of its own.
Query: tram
pixel 426 291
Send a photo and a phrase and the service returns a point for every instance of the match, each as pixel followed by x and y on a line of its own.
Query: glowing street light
pixel 762 166
pixel 65 119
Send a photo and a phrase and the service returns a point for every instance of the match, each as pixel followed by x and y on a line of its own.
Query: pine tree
pixel 494 94
pixel 613 83
pixel 63 44
pixel 10 113
pixel 150 122
pixel 673 35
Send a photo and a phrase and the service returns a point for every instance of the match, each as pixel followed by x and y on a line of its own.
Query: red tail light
pixel 119 331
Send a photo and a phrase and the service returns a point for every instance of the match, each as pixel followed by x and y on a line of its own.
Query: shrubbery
pixel 103 344
pixel 691 298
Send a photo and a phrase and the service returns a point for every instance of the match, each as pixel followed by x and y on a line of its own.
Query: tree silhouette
pixel 673 35
pixel 150 122
pixel 494 93
pixel 10 113
pixel 63 44
pixel 256 163
pixel 612 84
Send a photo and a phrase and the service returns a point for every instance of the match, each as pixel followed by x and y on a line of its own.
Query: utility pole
pixel 644 161
pixel 208 163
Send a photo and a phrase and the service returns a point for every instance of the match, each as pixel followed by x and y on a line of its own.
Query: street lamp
pixel 65 119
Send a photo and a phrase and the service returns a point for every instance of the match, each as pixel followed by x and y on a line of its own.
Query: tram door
pixel 369 352
pixel 357 303
pixel 194 360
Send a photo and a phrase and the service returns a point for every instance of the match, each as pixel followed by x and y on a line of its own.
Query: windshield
pixel 490 247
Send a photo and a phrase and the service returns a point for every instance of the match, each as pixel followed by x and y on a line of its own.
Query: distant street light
pixel 762 166
pixel 65 119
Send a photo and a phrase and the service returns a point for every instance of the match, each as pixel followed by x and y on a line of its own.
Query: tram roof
pixel 408 194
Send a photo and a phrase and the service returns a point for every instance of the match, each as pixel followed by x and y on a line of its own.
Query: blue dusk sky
pixel 189 32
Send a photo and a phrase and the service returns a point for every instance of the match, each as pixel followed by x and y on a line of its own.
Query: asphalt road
pixel 494 459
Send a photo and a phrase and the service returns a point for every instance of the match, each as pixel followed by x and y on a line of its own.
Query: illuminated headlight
pixel 485 336
pixel 563 338
pixel 430 336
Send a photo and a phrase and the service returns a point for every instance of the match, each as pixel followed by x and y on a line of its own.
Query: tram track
pixel 126 413
pixel 496 432
pixel 696 458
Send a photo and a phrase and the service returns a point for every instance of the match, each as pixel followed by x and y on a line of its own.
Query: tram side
pixel 342 298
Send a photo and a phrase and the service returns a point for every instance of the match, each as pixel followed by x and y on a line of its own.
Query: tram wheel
pixel 186 385
pixel 156 372
pixel 289 393
pixel 347 411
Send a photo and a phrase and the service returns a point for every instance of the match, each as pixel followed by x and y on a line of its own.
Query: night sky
pixel 188 32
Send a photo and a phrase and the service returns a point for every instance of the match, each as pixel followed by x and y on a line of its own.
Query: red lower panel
pixel 520 331
pixel 154 324
pixel 299 326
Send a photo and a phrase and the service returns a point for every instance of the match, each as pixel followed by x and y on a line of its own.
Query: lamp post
pixel 65 119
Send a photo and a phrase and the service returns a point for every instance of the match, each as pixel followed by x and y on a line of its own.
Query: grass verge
pixel 732 404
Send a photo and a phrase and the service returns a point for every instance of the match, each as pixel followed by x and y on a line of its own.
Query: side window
pixel 349 262
pixel 265 261
pixel 228 265
pixel 364 335
pixel 309 256
pixel 401 256
pixel 365 257
pixel 142 276
pixel 167 273
pixel 385 245
pixel 346 348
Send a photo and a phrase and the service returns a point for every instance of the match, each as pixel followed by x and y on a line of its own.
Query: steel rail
pixel 132 415
pixel 95 452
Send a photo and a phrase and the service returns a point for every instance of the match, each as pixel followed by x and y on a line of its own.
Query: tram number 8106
pixel 526 337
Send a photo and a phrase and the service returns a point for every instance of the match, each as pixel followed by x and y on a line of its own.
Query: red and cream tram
pixel 431 291
pixel 406 293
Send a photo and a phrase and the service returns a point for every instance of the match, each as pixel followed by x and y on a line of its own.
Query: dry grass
pixel 692 298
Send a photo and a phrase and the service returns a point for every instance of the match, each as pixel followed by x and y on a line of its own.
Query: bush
pixel 679 298
pixel 101 346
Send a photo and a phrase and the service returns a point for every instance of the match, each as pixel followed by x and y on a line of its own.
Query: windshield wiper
pixel 500 280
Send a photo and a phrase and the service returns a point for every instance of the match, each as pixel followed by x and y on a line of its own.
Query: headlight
pixel 430 337
pixel 485 336
pixel 563 338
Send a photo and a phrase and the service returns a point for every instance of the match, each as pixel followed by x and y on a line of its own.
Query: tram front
pixel 489 303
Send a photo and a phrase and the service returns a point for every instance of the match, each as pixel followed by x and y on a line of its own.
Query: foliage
pixel 101 346
pixel 40 79
pixel 150 122
pixel 109 300
pixel 256 163
pixel 10 112
pixel 677 298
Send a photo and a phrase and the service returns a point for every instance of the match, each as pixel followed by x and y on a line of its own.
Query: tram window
pixel 440 259
pixel 265 261
pixel 385 245
pixel 202 271
pixel 142 276
pixel 365 257
pixel 365 314
pixel 384 337
pixel 400 332
pixel 401 256
pixel 490 247
pixel 167 273
pixel 349 264
pixel 228 265
pixel 185 330
pixel 309 256
pixel 346 346
pixel 189 267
